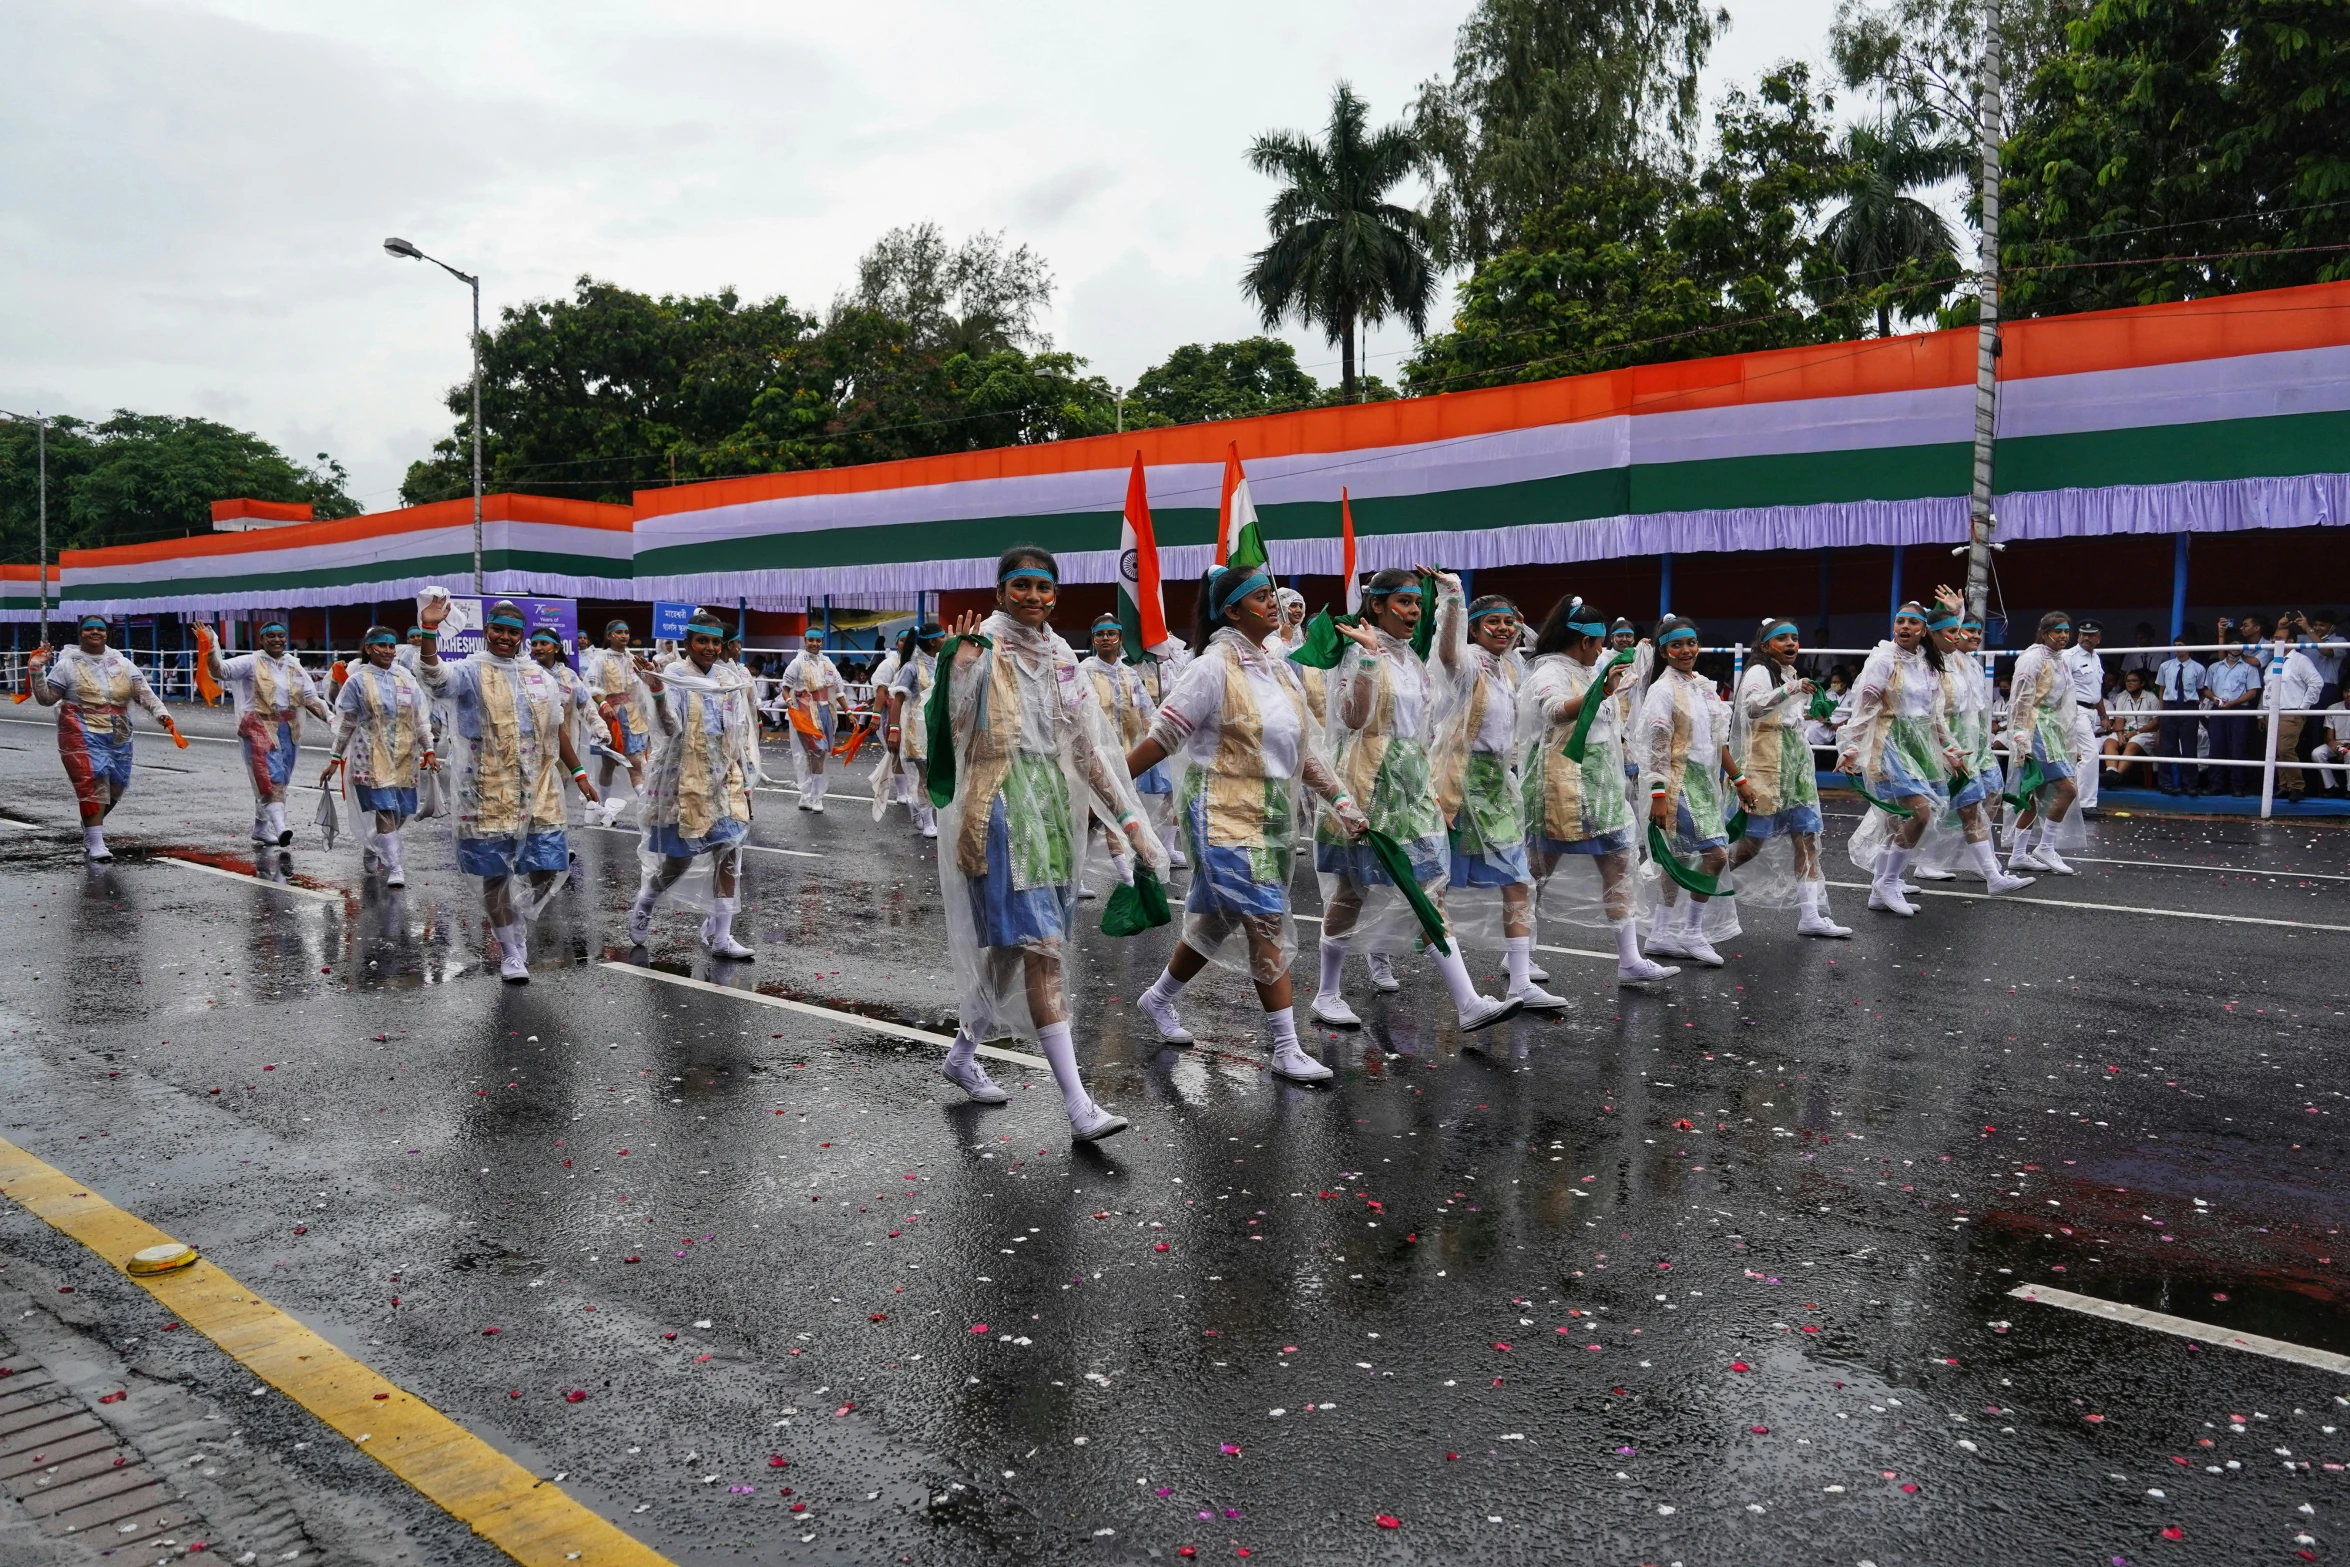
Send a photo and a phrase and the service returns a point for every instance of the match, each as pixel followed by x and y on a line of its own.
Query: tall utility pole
pixel 1989 123
pixel 408 252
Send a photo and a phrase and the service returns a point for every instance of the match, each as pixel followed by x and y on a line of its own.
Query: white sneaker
pixel 396 878
pixel 1086 894
pixel 1485 1011
pixel 1330 1007
pixel 1383 978
pixel 1909 889
pixel 514 963
pixel 1537 973
pixel 1290 1061
pixel 1890 900
pixel 723 946
pixel 1699 950
pixel 1094 1124
pixel 1814 923
pixel 2001 882
pixel 2029 860
pixel 975 1082
pixel 1666 941
pixel 930 829
pixel 261 832
pixel 1924 874
pixel 2054 863
pixel 1535 999
pixel 1178 860
pixel 806 804
pixel 640 923
pixel 1163 1018
pixel 1639 971
pixel 369 860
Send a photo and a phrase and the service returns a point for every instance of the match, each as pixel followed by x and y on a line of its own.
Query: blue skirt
pixel 1009 916
pixel 1356 863
pixel 1617 842
pixel 1222 879
pixel 1983 786
pixel 1686 838
pixel 670 844
pixel 538 851
pixel 398 801
pixel 1795 819
pixel 2055 767
pixel 1504 868
pixel 1155 781
pixel 1899 780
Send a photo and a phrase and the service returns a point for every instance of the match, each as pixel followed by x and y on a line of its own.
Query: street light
pixel 41 425
pixel 407 252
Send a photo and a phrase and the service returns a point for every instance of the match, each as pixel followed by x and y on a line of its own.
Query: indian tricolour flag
pixel 1346 550
pixel 1142 617
pixel 1237 540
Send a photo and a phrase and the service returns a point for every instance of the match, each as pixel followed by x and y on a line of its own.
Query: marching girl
pixel 626 710
pixel 1898 744
pixel 1773 701
pixel 696 811
pixel 512 748
pixel 813 686
pixel 2040 705
pixel 1966 708
pixel 1382 716
pixel 1245 745
pixel 909 727
pixel 1490 900
pixel 579 704
pixel 272 691
pixel 385 735
pixel 92 687
pixel 1576 812
pixel 1684 746
pixel 1130 694
pixel 1020 751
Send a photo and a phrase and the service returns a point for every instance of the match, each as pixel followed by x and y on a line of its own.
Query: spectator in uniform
pixel 2081 662
pixel 2298 689
pixel 2178 685
pixel 2234 684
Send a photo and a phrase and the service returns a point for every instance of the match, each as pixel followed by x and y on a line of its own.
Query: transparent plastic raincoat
pixel 813 687
pixel 1682 727
pixel 2040 729
pixel 1130 694
pixel 1770 746
pixel 1033 752
pixel 1382 727
pixel 1479 786
pixel 1581 831
pixel 1896 737
pixel 271 696
pixel 1243 745
pixel 1967 695
pixel 95 694
pixel 505 772
pixel 385 733
pixel 696 804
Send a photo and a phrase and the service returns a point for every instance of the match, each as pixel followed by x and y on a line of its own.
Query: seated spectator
pixel 2333 754
pixel 2132 729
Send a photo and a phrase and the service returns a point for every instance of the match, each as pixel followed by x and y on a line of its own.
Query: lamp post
pixel 40 424
pixel 408 252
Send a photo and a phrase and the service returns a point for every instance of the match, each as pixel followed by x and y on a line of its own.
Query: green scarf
pixel 1399 868
pixel 1136 906
pixel 2028 783
pixel 1822 706
pixel 1696 881
pixel 941 728
pixel 1424 634
pixel 1323 646
pixel 1593 695
pixel 1902 811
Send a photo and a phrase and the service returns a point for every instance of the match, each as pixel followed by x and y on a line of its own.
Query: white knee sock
pixel 721 921
pixel 1334 950
pixel 962 1052
pixel 1890 864
pixel 924 814
pixel 1807 898
pixel 1165 988
pixel 276 816
pixel 1456 978
pixel 1281 1028
pixel 1054 1038
pixel 1627 940
pixel 1985 861
pixel 1695 920
pixel 1521 958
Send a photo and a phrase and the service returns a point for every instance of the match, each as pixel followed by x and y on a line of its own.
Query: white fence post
pixel 2272 699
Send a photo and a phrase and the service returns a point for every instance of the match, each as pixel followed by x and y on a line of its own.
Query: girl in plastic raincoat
pixel 92 686
pixel 1130 694
pixel 1289 636
pixel 1479 785
pixel 384 737
pixel 813 686
pixel 1898 745
pixel 909 723
pixel 626 709
pixel 579 704
pixel 1966 709
pixel 1581 831
pixel 1685 757
pixel 272 691
pixel 512 749
pixel 2039 736
pixel 1243 742
pixel 1020 750
pixel 1382 718
pixel 1772 703
pixel 696 811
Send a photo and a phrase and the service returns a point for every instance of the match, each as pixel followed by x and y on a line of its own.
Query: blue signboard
pixel 669 620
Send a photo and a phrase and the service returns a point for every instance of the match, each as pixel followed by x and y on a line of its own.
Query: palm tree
pixel 1341 256
pixel 1882 227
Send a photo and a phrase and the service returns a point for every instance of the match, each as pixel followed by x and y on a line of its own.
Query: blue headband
pixel 1110 621
pixel 2066 625
pixel 711 628
pixel 1779 630
pixel 1028 571
pixel 274 625
pixel 1231 586
pixel 1971 624
pixel 1942 624
pixel 510 622
pixel 1675 636
pixel 1408 589
pixel 88 621
pixel 548 633
pixel 381 639
pixel 419 631
pixel 1589 628
pixel 611 626
pixel 1495 609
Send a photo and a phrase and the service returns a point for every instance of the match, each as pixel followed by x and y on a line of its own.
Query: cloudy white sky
pixel 196 193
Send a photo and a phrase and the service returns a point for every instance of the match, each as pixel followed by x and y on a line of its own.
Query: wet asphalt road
pixel 1716 1274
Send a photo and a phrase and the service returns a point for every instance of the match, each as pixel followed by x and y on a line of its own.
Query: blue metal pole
pixel 1664 585
pixel 1891 609
pixel 2178 585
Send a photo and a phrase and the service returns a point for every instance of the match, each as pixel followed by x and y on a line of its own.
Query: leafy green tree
pixel 2178 149
pixel 146 476
pixel 1642 266
pixel 1883 237
pixel 1342 255
pixel 1921 57
pixel 1196 384
pixel 1548 94
pixel 974 298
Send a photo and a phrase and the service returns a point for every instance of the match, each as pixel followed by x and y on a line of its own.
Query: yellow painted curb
pixel 529 1519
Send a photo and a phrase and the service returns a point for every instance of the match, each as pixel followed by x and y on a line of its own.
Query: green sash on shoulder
pixel 1593 695
pixel 940 727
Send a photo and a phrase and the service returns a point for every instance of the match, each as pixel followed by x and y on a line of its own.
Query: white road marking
pixel 252 881
pixel 2201 1332
pixel 20 826
pixel 871 1025
pixel 2217 870
pixel 755 848
pixel 1564 952
pixel 2108 908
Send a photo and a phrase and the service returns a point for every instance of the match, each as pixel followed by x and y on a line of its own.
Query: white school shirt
pixel 2088 674
pixel 262 684
pixel 2298 681
pixel 1189 722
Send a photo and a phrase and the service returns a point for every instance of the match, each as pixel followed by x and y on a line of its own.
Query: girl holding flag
pixel 385 714
pixel 1020 751
pixel 92 686
pixel 1772 703
pixel 1382 712
pixel 1898 744
pixel 1576 811
pixel 1684 743
pixel 1238 727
